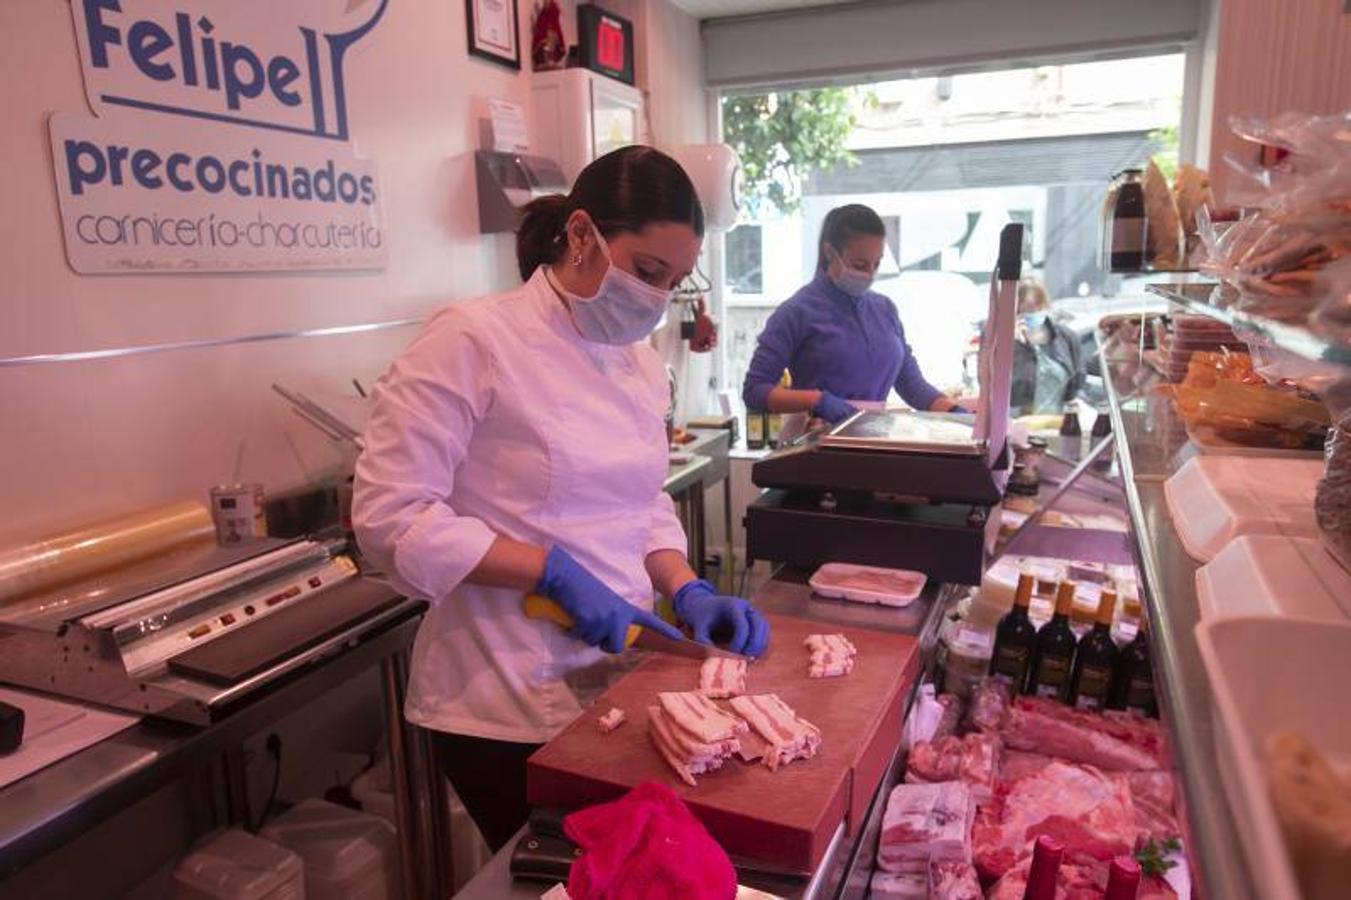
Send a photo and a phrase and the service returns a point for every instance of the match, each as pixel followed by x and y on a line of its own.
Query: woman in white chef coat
pixel 518 445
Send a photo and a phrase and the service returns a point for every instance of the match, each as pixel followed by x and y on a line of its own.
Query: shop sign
pixel 220 139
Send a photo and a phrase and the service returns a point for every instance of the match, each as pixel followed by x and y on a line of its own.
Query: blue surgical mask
pixel 854 282
pixel 624 308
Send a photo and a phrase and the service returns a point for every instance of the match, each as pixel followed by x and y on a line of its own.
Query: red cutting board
pixel 784 818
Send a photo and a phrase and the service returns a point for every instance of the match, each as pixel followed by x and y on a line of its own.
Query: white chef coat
pixel 500 418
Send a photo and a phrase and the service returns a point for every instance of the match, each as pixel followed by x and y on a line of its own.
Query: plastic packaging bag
pixel 1299 221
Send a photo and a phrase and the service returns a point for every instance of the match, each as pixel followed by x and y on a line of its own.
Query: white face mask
pixel 854 282
pixel 624 308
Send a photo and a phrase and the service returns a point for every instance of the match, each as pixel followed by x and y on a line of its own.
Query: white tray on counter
pixel 1267 675
pixel 1274 575
pixel 1214 499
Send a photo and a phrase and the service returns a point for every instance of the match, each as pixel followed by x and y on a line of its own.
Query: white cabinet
pixel 578 115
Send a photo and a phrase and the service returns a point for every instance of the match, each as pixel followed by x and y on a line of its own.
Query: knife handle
pixel 538 606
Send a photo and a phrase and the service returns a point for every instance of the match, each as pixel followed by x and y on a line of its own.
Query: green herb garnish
pixel 1153 856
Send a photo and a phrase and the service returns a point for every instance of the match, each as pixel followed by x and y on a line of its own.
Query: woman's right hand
pixel 833 409
pixel 600 616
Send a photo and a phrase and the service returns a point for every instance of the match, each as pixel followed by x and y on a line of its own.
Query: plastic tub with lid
pixel 235 865
pixel 348 855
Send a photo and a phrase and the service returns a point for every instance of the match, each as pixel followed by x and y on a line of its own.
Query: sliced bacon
pixel 682 751
pixel 832 655
pixel 788 735
pixel 700 716
pixel 611 720
pixel 722 677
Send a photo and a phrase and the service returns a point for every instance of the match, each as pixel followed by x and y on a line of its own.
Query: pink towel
pixel 646 844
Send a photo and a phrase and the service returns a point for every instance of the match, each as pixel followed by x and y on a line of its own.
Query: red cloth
pixel 646 844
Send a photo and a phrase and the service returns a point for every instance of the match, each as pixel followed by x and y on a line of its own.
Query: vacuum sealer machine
pixel 188 634
pixel 899 488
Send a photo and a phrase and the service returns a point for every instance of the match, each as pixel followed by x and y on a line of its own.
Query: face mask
pixel 854 282
pixel 624 308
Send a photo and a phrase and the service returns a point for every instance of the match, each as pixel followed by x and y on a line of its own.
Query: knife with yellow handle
pixel 537 606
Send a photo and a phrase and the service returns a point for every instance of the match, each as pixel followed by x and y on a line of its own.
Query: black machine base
pixel 944 541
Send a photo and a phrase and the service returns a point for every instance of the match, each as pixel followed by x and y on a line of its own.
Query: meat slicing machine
pixel 191 633
pixel 899 488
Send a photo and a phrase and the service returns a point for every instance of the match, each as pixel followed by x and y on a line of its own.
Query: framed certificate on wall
pixel 494 31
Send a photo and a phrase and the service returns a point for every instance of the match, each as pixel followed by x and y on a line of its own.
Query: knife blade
pixel 538 606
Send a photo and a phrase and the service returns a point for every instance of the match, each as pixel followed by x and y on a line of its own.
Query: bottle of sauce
pixel 1095 660
pixel 1015 638
pixel 1081 620
pixel 1123 879
pixel 757 424
pixel 1041 877
pixel 1069 445
pixel 1133 686
pixel 1053 654
pixel 1128 623
pixel 774 421
pixel 1125 228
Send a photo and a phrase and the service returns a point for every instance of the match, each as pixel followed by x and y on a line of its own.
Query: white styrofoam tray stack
pixel 1214 499
pixel 1274 575
pixel 1267 675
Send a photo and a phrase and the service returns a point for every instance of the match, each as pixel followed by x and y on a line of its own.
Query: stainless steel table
pixel 51 807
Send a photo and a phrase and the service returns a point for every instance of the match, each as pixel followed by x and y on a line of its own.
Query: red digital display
pixel 610 45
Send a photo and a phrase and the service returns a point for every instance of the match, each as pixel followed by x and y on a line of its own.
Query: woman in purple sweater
pixel 840 341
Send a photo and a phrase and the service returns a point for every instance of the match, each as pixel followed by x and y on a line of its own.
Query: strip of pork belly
pixel 659 731
pixel 692 750
pixel 836 644
pixel 790 736
pixel 722 677
pixel 700 716
pixel 611 720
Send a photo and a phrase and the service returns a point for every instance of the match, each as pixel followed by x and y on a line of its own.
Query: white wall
pixel 90 439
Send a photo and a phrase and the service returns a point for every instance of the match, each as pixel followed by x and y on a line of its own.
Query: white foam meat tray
pixel 1266 675
pixel 1271 574
pixel 1214 499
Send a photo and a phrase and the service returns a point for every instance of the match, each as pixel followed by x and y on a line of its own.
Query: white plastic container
pixel 1269 574
pixel 888 587
pixel 348 855
pixel 1214 499
pixel 235 865
pixel 1267 675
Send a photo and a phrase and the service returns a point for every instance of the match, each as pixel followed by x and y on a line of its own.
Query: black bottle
pixel 1133 686
pixel 1054 654
pixel 1128 224
pixel 1095 660
pixel 1014 639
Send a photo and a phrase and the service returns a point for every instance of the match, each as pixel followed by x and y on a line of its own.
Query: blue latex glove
pixel 699 605
pixel 958 408
pixel 832 408
pixel 600 616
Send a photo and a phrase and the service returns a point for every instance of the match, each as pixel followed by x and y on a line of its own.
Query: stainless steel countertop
pixel 54 805
pixel 1151 446
pixel 848 855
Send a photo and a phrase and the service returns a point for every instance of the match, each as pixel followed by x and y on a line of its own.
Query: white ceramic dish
pixel 1267 675
pixel 833 581
pixel 1214 499
pixel 1270 574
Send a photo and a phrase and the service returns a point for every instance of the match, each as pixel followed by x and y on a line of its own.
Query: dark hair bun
pixel 622 191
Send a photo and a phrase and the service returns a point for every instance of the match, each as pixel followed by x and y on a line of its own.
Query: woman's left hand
pixel 699 605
